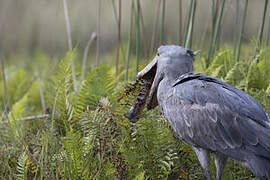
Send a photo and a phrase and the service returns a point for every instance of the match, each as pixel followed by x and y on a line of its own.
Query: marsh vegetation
pixel 64 89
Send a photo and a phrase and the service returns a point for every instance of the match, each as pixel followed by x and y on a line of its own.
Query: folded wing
pixel 206 112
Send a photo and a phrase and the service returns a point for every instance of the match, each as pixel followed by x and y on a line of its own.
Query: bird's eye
pixel 157 54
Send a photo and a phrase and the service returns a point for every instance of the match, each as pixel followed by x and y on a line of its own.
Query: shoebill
pixel 210 115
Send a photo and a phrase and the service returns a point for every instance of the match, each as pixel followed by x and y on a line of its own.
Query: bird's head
pixel 170 62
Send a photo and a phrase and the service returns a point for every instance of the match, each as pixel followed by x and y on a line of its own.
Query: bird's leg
pixel 204 158
pixel 220 162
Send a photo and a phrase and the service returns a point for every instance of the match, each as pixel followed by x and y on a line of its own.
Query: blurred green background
pixel 29 25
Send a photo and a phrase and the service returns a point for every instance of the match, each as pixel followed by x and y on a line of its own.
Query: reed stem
pixel 41 93
pixel 180 23
pixel 116 20
pixel 242 31
pixel 218 32
pixel 188 21
pixel 119 42
pixel 129 39
pixel 85 54
pixel 7 108
pixel 68 29
pixel 162 22
pixel 191 26
pixel 235 34
pixel 98 32
pixel 202 41
pixel 155 26
pixel 260 35
pixel 138 37
pixel 214 11
pixel 268 33
pixel 143 33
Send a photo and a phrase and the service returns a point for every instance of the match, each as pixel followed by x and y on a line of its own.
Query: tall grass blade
pixel 116 20
pixel 119 41
pixel 236 33
pixel 188 21
pixel 41 94
pixel 7 108
pixel 129 39
pixel 189 38
pixel 68 29
pixel 260 35
pixel 67 21
pixel 143 33
pixel 218 15
pixel 138 37
pixel 268 33
pixel 239 42
pixel 155 26
pixel 85 53
pixel 180 23
pixel 98 32
pixel 214 12
pixel 162 22
pixel 218 32
pixel 214 7
pixel 204 35
pixel 189 43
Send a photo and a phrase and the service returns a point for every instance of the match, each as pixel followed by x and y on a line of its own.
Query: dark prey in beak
pixel 147 75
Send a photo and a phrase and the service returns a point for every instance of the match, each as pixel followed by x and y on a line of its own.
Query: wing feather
pixel 209 113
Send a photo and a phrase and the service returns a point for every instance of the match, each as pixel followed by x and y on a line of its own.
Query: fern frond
pixel 223 58
pixel 22 167
pixel 218 71
pixel 18 109
pixel 140 176
pixel 268 89
pixel 255 79
pixel 98 84
pixel 63 99
pixel 234 76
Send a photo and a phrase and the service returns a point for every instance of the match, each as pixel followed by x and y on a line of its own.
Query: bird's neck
pixel 172 72
pixel 171 78
pixel 164 86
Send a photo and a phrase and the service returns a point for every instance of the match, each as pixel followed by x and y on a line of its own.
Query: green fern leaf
pixel 140 176
pixel 221 64
pixel 21 167
pixel 255 78
pixel 268 89
pixel 234 76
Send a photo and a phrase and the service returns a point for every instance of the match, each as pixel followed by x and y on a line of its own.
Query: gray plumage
pixel 209 114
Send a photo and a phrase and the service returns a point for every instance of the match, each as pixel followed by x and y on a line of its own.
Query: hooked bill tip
pixel 131 119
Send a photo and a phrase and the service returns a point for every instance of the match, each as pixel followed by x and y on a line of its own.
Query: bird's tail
pixel 260 167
